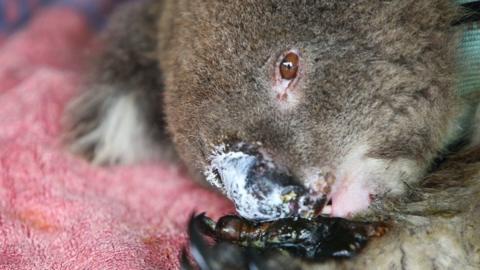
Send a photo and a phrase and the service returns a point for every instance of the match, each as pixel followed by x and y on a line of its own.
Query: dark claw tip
pixel 184 262
pixel 198 246
pixel 204 224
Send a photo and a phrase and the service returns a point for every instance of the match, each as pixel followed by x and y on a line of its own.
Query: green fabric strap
pixel 460 2
pixel 468 77
pixel 468 60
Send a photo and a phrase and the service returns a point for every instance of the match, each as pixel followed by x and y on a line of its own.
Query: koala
pixel 356 102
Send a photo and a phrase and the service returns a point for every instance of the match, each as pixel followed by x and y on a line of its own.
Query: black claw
pixel 221 256
pixel 205 225
pixel 184 262
pixel 243 244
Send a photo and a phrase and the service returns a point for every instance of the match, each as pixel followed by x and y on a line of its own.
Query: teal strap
pixel 461 2
pixel 468 74
pixel 468 78
pixel 468 61
pixel 468 58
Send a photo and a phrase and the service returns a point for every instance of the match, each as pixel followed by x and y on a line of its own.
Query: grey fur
pixel 377 72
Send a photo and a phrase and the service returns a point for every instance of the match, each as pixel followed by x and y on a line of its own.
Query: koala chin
pixel 351 102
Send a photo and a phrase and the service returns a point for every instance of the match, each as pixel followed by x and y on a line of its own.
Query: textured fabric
pixel 469 56
pixel 468 65
pixel 57 211
pixel 465 1
pixel 15 13
pixel 469 60
pixel 468 77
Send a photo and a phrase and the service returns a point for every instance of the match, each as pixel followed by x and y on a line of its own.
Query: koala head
pixel 351 100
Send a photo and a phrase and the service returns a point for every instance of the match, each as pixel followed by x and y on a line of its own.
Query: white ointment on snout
pixel 229 170
pixel 233 168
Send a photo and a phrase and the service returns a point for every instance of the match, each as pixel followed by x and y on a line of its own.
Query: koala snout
pixel 259 188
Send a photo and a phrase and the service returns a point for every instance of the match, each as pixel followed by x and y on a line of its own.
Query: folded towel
pixel 57 211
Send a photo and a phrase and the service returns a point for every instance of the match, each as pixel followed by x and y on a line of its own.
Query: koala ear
pixel 108 127
pixel 117 118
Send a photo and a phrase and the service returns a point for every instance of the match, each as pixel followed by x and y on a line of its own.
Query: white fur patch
pixel 121 136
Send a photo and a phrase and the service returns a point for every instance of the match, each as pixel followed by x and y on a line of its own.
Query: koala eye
pixel 289 66
pixel 288 70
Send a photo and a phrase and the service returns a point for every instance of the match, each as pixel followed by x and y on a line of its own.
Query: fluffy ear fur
pixel 118 118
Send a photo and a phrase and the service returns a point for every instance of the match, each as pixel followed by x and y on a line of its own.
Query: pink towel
pixel 56 210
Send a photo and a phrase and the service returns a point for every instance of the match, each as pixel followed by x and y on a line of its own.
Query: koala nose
pixel 259 188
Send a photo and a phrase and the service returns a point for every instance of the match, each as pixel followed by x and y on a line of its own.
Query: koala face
pixel 350 99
